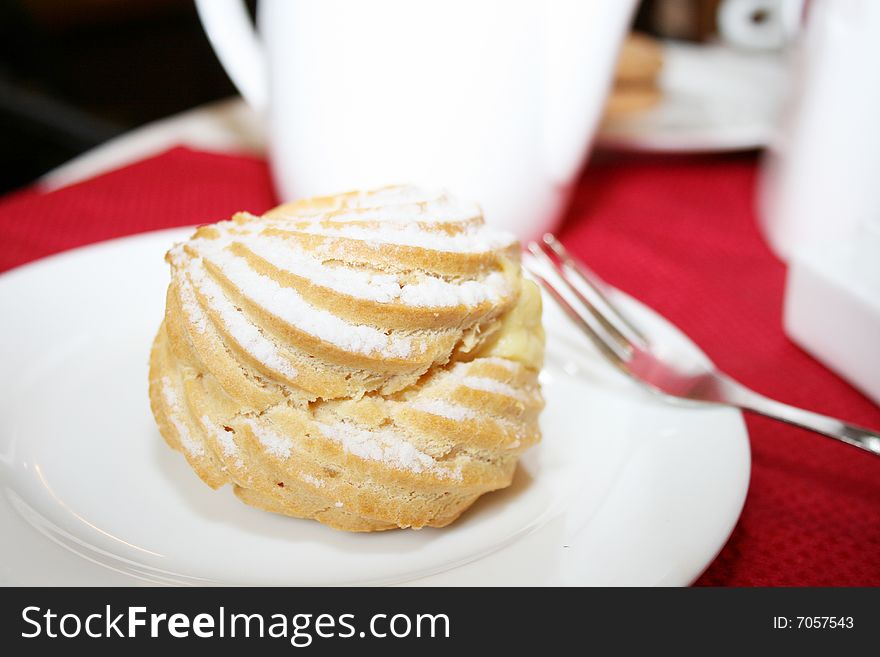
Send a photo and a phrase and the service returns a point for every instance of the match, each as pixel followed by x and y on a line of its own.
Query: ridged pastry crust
pixel 368 360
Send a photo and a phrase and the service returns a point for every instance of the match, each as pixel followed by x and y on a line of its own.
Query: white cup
pixel 820 179
pixel 496 100
pixel 759 24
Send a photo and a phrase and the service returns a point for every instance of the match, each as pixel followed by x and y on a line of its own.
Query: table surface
pixel 679 233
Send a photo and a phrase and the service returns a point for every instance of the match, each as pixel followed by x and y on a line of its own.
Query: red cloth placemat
pixel 680 235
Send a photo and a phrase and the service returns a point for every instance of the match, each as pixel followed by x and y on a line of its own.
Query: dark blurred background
pixel 74 73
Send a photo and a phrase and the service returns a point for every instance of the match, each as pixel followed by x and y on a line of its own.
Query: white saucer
pixel 623 490
pixel 715 98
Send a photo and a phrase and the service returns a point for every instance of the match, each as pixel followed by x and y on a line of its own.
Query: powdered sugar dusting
pixel 383 288
pixel 175 411
pixel 443 409
pixel 286 304
pixel 400 203
pixel 402 214
pixel 490 385
pixel 382 445
pixel 314 481
pixel 190 305
pixel 275 444
pixel 475 240
pixel 224 438
pixel 244 332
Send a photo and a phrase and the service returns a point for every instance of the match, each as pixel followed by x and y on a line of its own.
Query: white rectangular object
pixel 832 309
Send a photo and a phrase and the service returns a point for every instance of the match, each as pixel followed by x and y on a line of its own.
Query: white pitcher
pixel 496 100
pixel 820 180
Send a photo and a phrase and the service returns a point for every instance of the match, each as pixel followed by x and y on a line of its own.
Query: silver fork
pixel 681 376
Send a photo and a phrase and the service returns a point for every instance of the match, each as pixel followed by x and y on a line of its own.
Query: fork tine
pixel 589 285
pixel 586 320
pixel 576 286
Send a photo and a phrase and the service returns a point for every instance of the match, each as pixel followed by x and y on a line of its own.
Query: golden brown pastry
pixel 368 360
pixel 635 78
pixel 640 60
pixel 628 99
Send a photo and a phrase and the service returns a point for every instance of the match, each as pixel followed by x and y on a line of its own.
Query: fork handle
pixel 851 434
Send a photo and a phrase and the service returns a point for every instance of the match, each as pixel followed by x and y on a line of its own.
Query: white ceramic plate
pixel 715 98
pixel 624 489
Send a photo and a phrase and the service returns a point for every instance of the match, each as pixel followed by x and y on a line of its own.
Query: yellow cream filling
pixel 521 337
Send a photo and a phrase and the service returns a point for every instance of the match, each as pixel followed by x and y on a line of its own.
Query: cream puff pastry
pixel 368 360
